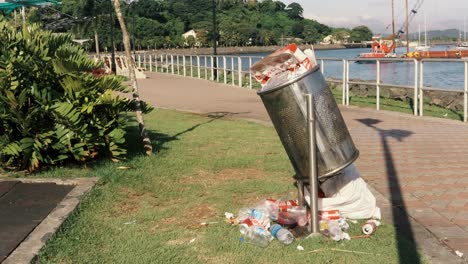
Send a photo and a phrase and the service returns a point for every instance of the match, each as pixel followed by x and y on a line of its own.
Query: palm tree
pixel 131 67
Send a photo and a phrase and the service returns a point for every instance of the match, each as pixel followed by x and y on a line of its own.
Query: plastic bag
pixel 348 193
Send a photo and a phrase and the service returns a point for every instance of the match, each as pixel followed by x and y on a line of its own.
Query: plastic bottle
pixel 258 216
pixel 334 230
pixel 272 207
pixel 257 235
pixel 294 215
pixel 283 235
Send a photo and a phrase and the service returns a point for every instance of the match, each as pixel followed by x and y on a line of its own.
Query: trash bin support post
pixel 313 224
pixel 300 192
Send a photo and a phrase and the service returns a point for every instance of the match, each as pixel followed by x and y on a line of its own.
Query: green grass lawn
pixel 202 167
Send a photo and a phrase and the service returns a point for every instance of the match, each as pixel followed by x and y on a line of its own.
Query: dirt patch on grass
pixel 131 202
pixel 210 179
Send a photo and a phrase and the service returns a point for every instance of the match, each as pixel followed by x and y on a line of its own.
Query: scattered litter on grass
pixel 459 254
pixel 123 167
pixel 228 215
pixel 300 248
pixel 352 251
pixel 130 222
pixel 208 223
pixel 360 236
pixel 192 240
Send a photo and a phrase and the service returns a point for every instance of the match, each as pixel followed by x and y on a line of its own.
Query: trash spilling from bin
pixel 295 95
pixel 272 219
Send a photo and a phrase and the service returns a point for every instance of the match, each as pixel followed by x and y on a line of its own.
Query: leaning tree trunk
pixel 131 68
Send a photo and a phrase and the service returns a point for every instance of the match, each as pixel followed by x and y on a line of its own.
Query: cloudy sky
pixel 377 13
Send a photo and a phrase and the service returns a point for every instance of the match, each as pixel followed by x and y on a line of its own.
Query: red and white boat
pixel 380 48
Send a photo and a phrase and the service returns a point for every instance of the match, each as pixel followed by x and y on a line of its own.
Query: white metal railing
pixel 237 68
pixel 423 88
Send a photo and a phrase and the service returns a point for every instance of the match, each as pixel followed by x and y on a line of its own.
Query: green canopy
pixel 14 4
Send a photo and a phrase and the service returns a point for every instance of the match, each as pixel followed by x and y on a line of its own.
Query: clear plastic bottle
pixel 257 235
pixel 272 207
pixel 258 215
pixel 294 215
pixel 334 230
pixel 283 235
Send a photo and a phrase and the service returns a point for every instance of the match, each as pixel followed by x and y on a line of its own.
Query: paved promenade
pixel 419 164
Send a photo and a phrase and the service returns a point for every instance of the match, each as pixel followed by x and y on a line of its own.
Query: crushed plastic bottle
pixel 257 235
pixel 294 215
pixel 283 235
pixel 335 232
pixel 258 216
pixel 272 206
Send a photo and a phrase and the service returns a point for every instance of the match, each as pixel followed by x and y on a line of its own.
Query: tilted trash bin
pixel 285 103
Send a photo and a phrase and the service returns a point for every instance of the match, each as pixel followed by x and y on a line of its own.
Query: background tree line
pixel 161 23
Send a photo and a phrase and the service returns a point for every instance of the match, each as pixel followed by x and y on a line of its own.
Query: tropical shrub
pixel 55 103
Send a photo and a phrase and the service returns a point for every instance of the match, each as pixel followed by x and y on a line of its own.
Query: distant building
pixel 191 33
pixel 336 39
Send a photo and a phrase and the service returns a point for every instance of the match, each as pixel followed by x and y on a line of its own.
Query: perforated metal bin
pixel 286 104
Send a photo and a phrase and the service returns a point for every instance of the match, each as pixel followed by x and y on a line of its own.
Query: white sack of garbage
pixel 348 193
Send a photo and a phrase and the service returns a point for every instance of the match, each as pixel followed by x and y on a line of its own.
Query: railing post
pixel 377 86
pixel 343 86
pixel 421 90
pixel 191 66
pixel 178 65
pixel 212 68
pixel 172 64
pixel 183 65
pixel 224 69
pixel 321 66
pixel 206 68
pixel 198 64
pixel 232 70
pixel 139 61
pixel 465 94
pixel 416 85
pixel 347 82
pixel 239 66
pixel 144 61
pixel 150 63
pixel 217 68
pixel 162 63
pixel 250 73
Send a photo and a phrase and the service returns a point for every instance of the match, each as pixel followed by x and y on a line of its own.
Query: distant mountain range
pixel 438 34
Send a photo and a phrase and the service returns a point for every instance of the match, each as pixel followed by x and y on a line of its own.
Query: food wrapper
pixel 283 65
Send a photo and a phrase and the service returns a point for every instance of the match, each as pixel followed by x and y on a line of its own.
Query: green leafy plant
pixel 55 103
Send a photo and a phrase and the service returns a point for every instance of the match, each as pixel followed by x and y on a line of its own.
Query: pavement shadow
pixel 159 140
pixel 406 243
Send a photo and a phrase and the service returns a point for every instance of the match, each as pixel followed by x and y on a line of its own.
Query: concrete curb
pixel 27 251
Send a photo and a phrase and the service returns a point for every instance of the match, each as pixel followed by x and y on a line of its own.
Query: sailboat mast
pixel 464 26
pixel 407 28
pixel 393 28
pixel 419 34
pixel 393 20
pixel 425 31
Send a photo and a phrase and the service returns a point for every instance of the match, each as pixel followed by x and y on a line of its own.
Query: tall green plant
pixel 53 105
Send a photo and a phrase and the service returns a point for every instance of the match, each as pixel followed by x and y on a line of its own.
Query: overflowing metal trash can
pixel 285 103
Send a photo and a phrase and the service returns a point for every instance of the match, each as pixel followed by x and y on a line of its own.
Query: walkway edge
pixel 27 251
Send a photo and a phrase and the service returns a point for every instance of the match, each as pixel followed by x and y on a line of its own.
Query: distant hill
pixel 438 34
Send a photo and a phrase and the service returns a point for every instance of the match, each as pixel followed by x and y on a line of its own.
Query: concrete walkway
pixel 418 164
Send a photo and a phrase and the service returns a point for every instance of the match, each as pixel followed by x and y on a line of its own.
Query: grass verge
pixel 149 209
